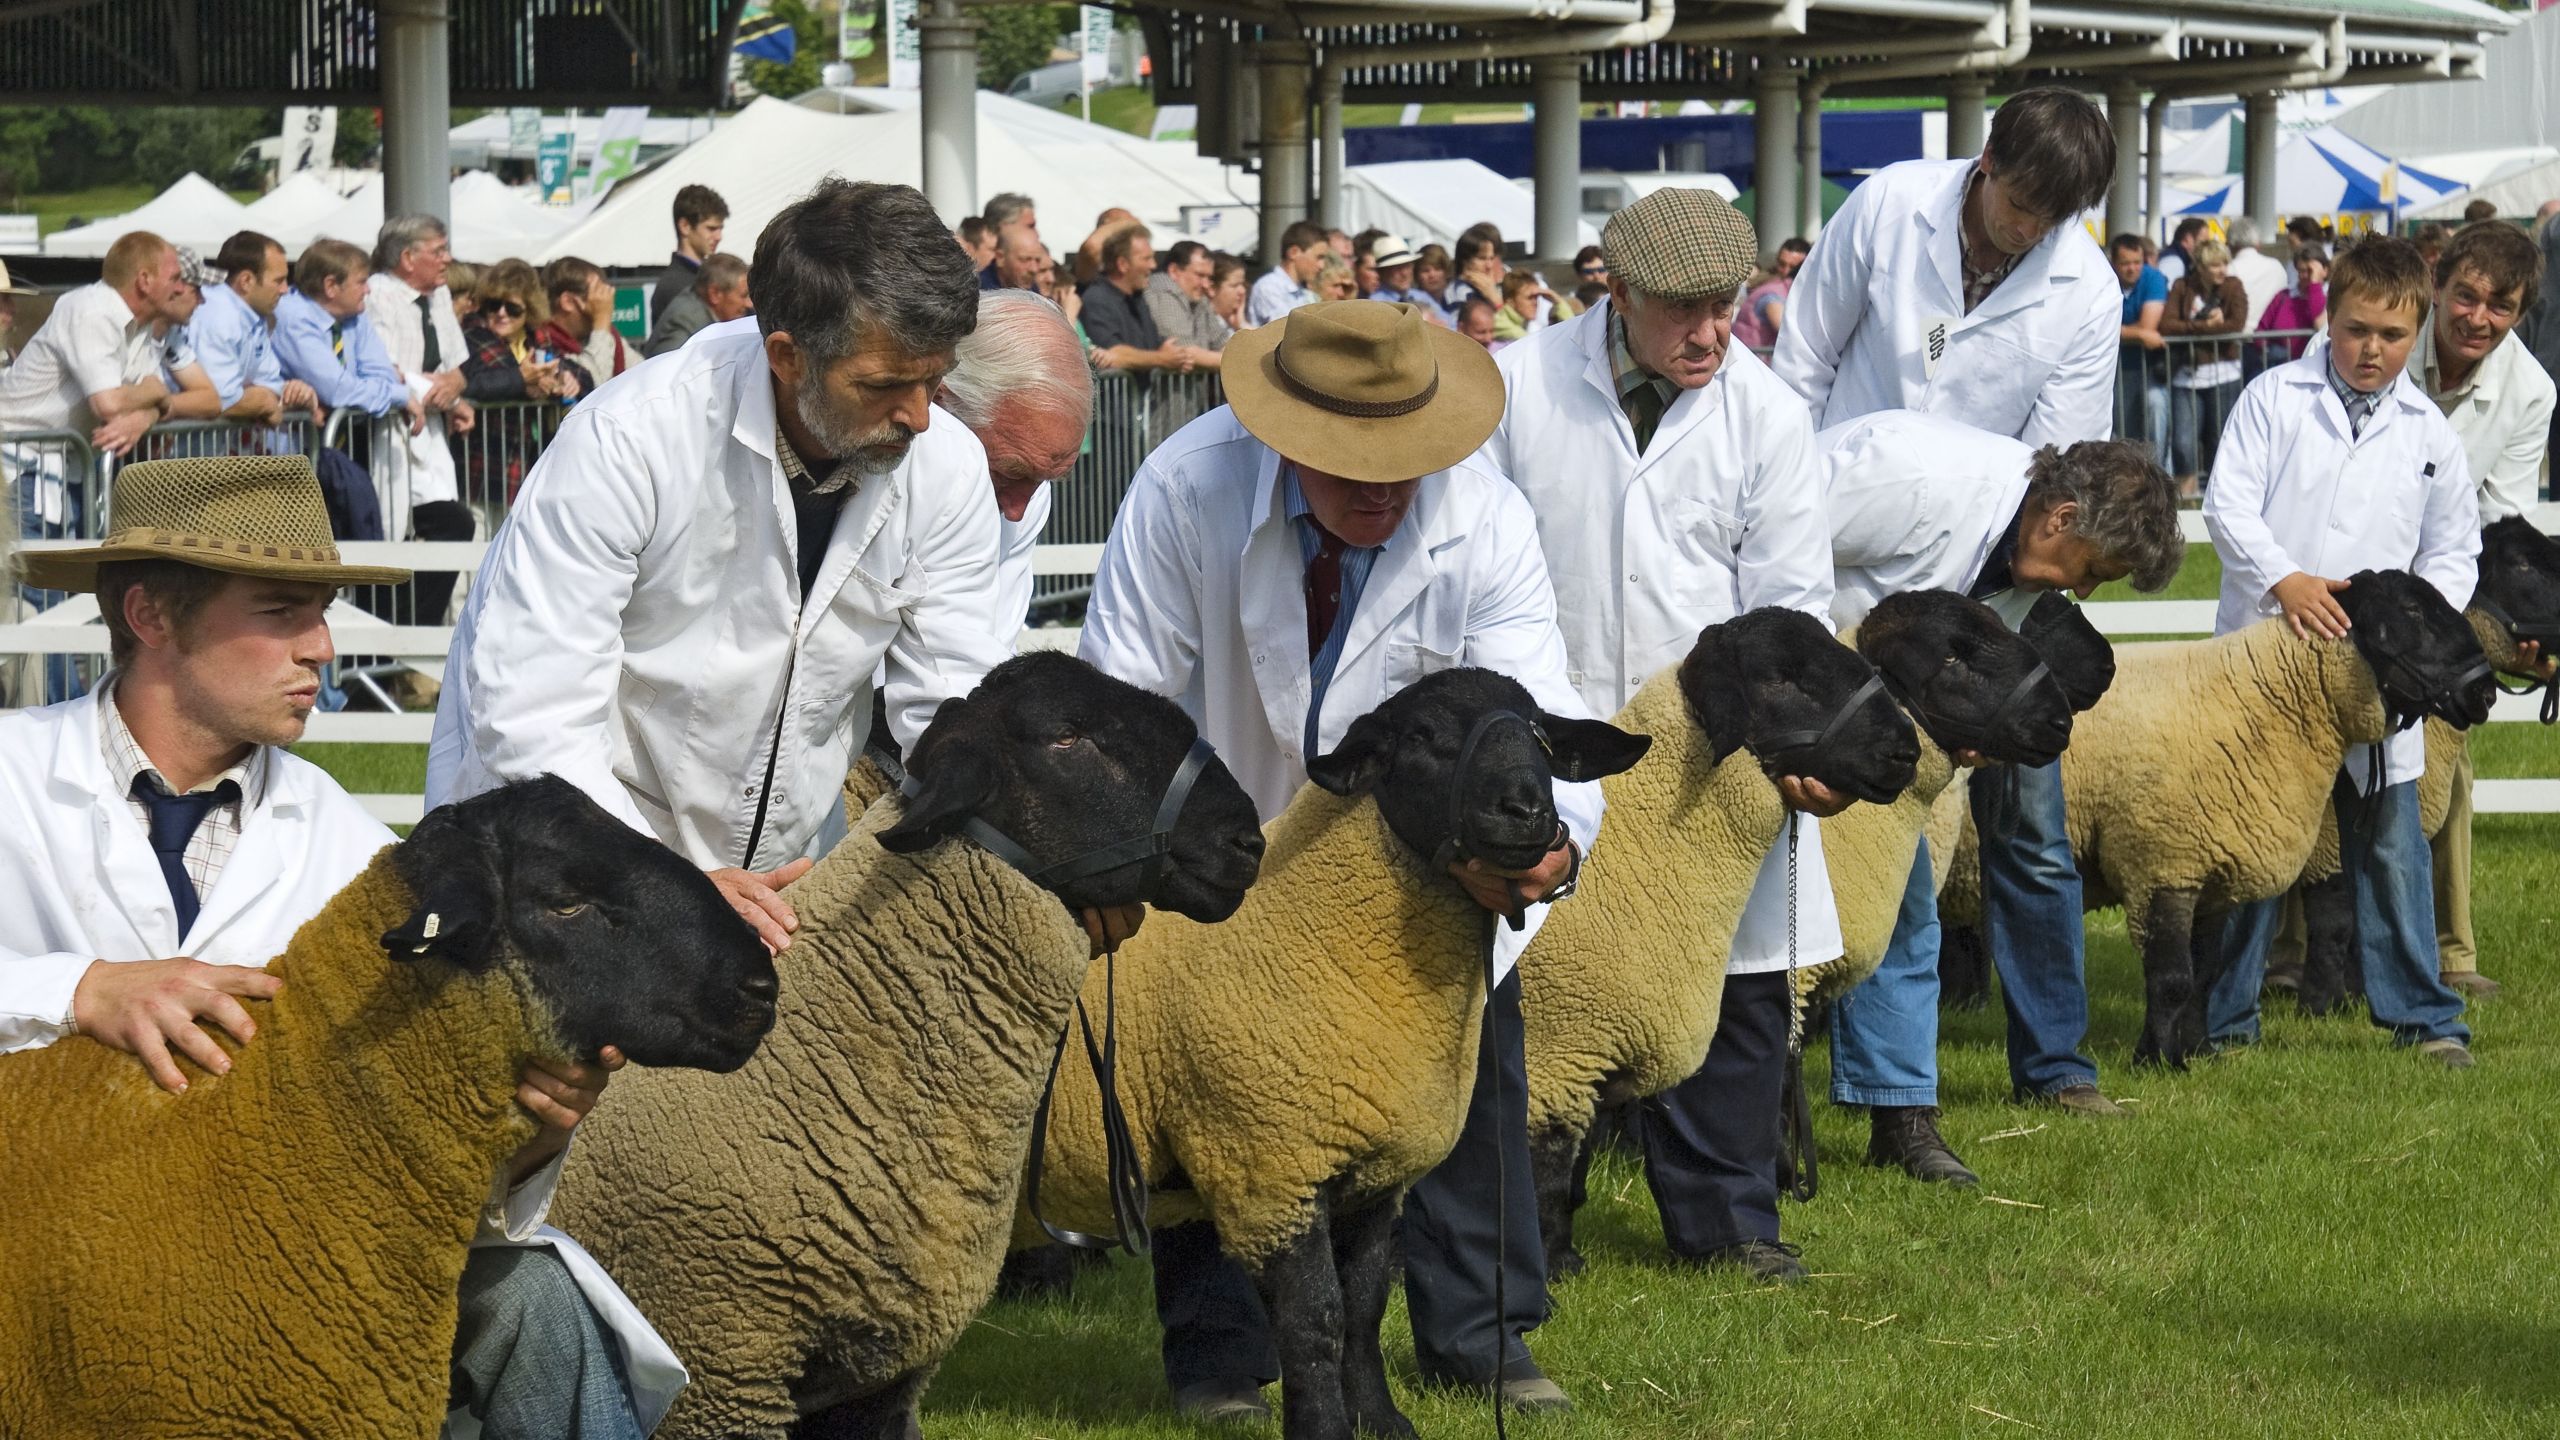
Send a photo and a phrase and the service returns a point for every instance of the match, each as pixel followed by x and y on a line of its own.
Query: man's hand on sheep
pixel 1109 926
pixel 1501 891
pixel 757 897
pixel 1813 797
pixel 559 1096
pixel 147 1008
pixel 2310 605
pixel 2543 667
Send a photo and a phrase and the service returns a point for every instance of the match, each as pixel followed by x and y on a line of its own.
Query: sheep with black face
pixel 1622 991
pixel 276 1251
pixel 813 1234
pixel 1304 1064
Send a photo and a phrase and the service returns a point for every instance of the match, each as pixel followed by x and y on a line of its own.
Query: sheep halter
pixel 1454 849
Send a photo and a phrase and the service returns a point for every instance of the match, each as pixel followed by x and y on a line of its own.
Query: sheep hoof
pixel 1564 1262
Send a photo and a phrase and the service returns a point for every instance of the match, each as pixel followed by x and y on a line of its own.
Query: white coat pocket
pixel 1408 662
pixel 1989 381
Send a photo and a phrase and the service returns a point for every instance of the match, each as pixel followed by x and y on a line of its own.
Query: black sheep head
pixel 2082 659
pixel 1066 760
pixel 2424 656
pixel 2520 585
pixel 1970 681
pixel 628 943
pixel 1778 683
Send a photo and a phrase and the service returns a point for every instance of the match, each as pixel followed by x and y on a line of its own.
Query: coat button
pixel 750 791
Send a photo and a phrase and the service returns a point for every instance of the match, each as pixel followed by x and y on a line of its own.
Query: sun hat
pixel 1389 251
pixel 8 288
pixel 193 271
pixel 1677 244
pixel 256 515
pixel 1363 389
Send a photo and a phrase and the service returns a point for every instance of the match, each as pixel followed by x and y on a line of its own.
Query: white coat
pixel 1722 513
pixel 1014 579
pixel 1917 502
pixel 2295 489
pixel 1202 597
pixel 1876 320
pixel 2503 418
pixel 638 629
pixel 79 884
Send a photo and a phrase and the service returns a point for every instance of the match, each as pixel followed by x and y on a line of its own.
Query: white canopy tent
pixel 2517 194
pixel 774 152
pixel 193 212
pixel 293 207
pixel 490 221
pixel 2325 172
pixel 1430 201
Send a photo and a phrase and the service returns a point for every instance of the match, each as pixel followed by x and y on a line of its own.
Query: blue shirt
pixel 231 344
pixel 343 361
pixel 1356 563
pixel 2150 286
pixel 1417 297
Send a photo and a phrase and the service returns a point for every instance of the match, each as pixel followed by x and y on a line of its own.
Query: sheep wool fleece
pixel 839 1207
pixel 1621 990
pixel 1317 1047
pixel 1869 850
pixel 276 1251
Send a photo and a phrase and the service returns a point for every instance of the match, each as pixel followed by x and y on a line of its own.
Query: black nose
pixel 764 986
pixel 1247 841
pixel 1521 805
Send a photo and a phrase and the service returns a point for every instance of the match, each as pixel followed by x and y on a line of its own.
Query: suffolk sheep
pixel 1302 1065
pixel 276 1250
pixel 812 1234
pixel 2199 782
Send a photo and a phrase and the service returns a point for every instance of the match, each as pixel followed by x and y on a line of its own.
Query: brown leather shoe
pixel 1907 1136
pixel 2085 1100
pixel 2448 1052
pixel 2472 984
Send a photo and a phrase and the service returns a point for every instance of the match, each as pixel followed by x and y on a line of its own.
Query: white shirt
pixel 1202 597
pixel 1013 565
pixel 1917 502
pixel 2262 278
pixel 1884 288
pixel 638 626
pixel 1273 296
pixel 92 342
pixel 391 305
pixel 2502 414
pixel 1722 513
pixel 2294 489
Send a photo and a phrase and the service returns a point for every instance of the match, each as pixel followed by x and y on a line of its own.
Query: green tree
pixel 1017 38
pixel 802 74
pixel 359 131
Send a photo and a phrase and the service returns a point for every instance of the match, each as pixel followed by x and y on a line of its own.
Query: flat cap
pixel 1681 244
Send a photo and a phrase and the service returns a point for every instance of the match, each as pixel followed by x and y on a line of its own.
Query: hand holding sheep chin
pixel 559 1096
pixel 1814 798
pixel 147 1008
pixel 2311 606
pixel 1107 927
pixel 1501 891
pixel 757 897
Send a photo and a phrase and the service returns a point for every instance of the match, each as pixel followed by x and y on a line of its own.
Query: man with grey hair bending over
pixel 1020 383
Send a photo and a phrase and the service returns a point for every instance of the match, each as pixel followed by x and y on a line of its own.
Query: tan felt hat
pixel 1363 389
pixel 1681 245
pixel 245 514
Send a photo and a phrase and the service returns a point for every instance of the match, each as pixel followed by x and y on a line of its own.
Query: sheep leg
pixel 1364 1256
pixel 1303 1294
pixel 2169 988
pixel 2329 944
pixel 1559 1159
pixel 888 1413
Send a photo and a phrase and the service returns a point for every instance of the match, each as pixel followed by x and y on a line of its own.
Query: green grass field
pixel 54 210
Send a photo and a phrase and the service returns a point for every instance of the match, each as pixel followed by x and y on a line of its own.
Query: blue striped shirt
pixel 1357 560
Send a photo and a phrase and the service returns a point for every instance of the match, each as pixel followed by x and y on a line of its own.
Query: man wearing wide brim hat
pixel 1396 262
pixel 1280 566
pixel 1674 482
pixel 158 846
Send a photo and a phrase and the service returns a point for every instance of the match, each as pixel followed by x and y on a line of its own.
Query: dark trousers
pixel 1213 1320
pixel 1711 1142
pixel 438 520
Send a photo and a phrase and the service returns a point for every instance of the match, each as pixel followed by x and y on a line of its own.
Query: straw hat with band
pixel 7 287
pixel 258 515
pixel 1390 251
pixel 1364 390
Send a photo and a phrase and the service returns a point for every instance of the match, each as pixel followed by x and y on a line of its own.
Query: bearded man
pixel 683 614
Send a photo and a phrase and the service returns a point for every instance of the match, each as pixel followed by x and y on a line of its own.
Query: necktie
pixel 1324 587
pixel 338 339
pixel 427 321
pixel 1644 411
pixel 174 819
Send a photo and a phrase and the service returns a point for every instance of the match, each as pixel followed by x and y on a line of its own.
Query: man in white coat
pixel 684 612
pixel 158 847
pixel 409 306
pixel 1673 480
pixel 1921 502
pixel 1021 384
pixel 1282 565
pixel 1966 288
pixel 2330 465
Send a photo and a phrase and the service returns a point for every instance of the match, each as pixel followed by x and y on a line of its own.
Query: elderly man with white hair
pixel 1020 383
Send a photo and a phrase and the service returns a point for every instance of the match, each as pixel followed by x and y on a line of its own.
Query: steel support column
pixel 1556 82
pixel 1284 65
pixel 949 41
pixel 417 109
pixel 1964 116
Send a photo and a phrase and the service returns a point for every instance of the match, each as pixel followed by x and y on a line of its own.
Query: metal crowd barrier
pixel 2176 398
pixel 1132 414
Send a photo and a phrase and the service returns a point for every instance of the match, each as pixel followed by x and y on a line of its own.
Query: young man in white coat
pixel 1966 288
pixel 1921 502
pixel 683 614
pixel 158 847
pixel 2333 464
pixel 1674 484
pixel 1281 566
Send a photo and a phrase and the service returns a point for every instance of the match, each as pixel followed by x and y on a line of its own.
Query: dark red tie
pixel 1324 586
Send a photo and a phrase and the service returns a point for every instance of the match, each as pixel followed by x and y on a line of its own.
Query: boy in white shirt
pixel 2336 463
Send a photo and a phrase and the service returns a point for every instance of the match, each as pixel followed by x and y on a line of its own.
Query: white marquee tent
pixel 490 221
pixel 193 212
pixel 1428 202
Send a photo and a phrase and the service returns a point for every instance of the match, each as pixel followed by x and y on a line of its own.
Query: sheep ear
pixel 962 780
pixel 454 886
pixel 1590 749
pixel 1711 681
pixel 1355 766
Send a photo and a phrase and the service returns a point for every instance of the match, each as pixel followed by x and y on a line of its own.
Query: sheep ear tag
pixel 430 933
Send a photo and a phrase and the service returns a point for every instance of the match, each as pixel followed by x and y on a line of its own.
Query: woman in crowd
pixel 2204 376
pixel 1480 267
pixel 1229 283
pixel 507 307
pixel 2302 304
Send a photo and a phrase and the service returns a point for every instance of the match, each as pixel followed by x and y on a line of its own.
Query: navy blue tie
pixel 174 819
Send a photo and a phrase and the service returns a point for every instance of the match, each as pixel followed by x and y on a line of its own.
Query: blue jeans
pixel 530 1359
pixel 2384 853
pixel 2031 924
pixel 1884 1032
